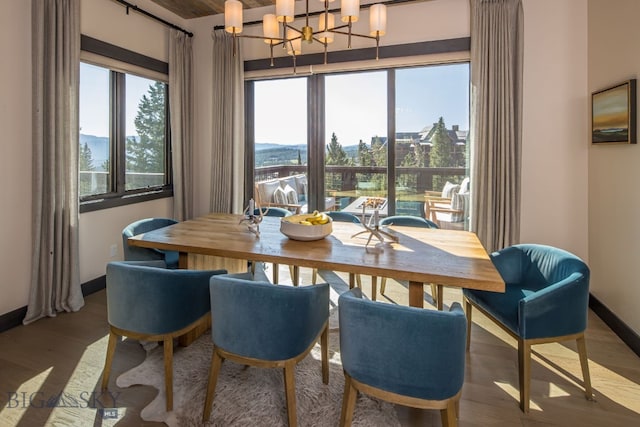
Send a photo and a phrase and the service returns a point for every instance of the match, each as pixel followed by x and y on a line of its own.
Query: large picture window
pixel 124 152
pixel 399 136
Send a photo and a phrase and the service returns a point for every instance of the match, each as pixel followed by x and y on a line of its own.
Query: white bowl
pixel 290 227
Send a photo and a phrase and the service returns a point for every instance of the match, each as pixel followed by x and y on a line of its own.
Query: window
pixel 124 142
pixel 398 135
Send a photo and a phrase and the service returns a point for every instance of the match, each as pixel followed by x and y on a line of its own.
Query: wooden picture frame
pixel 613 114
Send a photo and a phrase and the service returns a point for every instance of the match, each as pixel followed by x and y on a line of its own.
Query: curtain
pixel 496 120
pixel 55 277
pixel 181 113
pixel 227 150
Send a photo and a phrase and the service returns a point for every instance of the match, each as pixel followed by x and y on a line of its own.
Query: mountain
pixel 99 146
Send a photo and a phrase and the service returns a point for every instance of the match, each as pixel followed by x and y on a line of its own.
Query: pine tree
pixel 365 157
pixel 85 159
pixel 378 152
pixel 146 154
pixel 335 153
pixel 441 154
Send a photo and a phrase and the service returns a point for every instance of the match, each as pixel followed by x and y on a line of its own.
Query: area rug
pixel 248 396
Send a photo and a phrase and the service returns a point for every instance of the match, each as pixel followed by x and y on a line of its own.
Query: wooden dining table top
pixel 421 255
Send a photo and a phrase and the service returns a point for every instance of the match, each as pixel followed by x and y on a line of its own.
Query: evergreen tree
pixel 335 153
pixel 365 157
pixel 299 158
pixel 441 154
pixel 146 154
pixel 85 159
pixel 378 152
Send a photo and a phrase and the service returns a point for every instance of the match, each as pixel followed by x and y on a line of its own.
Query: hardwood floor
pixel 66 354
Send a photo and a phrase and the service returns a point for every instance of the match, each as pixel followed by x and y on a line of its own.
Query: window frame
pixel 101 54
pixel 316 131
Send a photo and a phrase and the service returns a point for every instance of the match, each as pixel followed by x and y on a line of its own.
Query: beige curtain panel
pixel 496 120
pixel 227 144
pixel 181 113
pixel 55 277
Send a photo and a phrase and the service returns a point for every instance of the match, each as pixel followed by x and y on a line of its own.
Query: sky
pixel 356 104
pixel 94 100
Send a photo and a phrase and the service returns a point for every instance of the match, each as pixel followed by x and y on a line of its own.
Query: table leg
pixel 183 260
pixel 416 294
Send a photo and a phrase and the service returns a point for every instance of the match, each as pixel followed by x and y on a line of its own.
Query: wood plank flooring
pixel 66 354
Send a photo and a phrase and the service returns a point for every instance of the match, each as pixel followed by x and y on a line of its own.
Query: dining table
pixel 420 255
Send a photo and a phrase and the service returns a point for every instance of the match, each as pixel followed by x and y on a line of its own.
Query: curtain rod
pixel 303 15
pixel 152 16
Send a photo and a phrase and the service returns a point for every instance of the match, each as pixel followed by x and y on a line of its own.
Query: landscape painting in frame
pixel 614 114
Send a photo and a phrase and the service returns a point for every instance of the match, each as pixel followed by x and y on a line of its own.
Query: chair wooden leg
pixel 111 349
pixel 448 415
pixel 434 292
pixel 374 287
pixel 214 370
pixel 314 276
pixel 439 296
pixel 352 280
pixel 276 273
pixel 290 391
pixel 168 372
pixel 359 281
pixel 524 372
pixel 467 311
pixel 295 274
pixel 324 349
pixel 348 402
pixel 383 285
pixel 584 363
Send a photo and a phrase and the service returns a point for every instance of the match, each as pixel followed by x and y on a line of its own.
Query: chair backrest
pixel 408 221
pixel 549 290
pixel 272 211
pixel 146 298
pixel 538 265
pixel 404 350
pixel 133 253
pixel 343 217
pixel 265 321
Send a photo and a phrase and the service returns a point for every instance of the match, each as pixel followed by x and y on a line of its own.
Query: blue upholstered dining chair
pixel 273 211
pixel 134 253
pixel 546 300
pixel 146 301
pixel 267 326
pixel 405 355
pixel 413 221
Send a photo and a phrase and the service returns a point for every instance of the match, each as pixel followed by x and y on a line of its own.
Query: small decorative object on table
pixel 306 227
pixel 253 221
pixel 373 225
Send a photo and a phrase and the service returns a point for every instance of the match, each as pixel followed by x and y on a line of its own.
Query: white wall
pixel 555 112
pixel 614 172
pixel 15 160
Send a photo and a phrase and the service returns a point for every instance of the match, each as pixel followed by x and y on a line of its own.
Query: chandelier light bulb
pixel 233 16
pixel 378 20
pixel 329 19
pixel 285 10
pixel 350 10
pixel 294 47
pixel 270 28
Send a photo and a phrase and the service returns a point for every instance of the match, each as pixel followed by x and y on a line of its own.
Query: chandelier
pixel 292 37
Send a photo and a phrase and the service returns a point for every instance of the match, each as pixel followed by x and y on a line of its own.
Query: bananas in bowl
pixel 306 227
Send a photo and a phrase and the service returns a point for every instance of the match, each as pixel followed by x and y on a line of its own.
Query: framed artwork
pixel 613 114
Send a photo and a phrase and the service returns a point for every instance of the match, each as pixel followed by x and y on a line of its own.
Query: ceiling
pixel 188 9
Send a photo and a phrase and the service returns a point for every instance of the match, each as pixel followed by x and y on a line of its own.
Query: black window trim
pixel 315 87
pixel 120 197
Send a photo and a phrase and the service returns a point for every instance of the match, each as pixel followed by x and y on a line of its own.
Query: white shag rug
pixel 249 396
